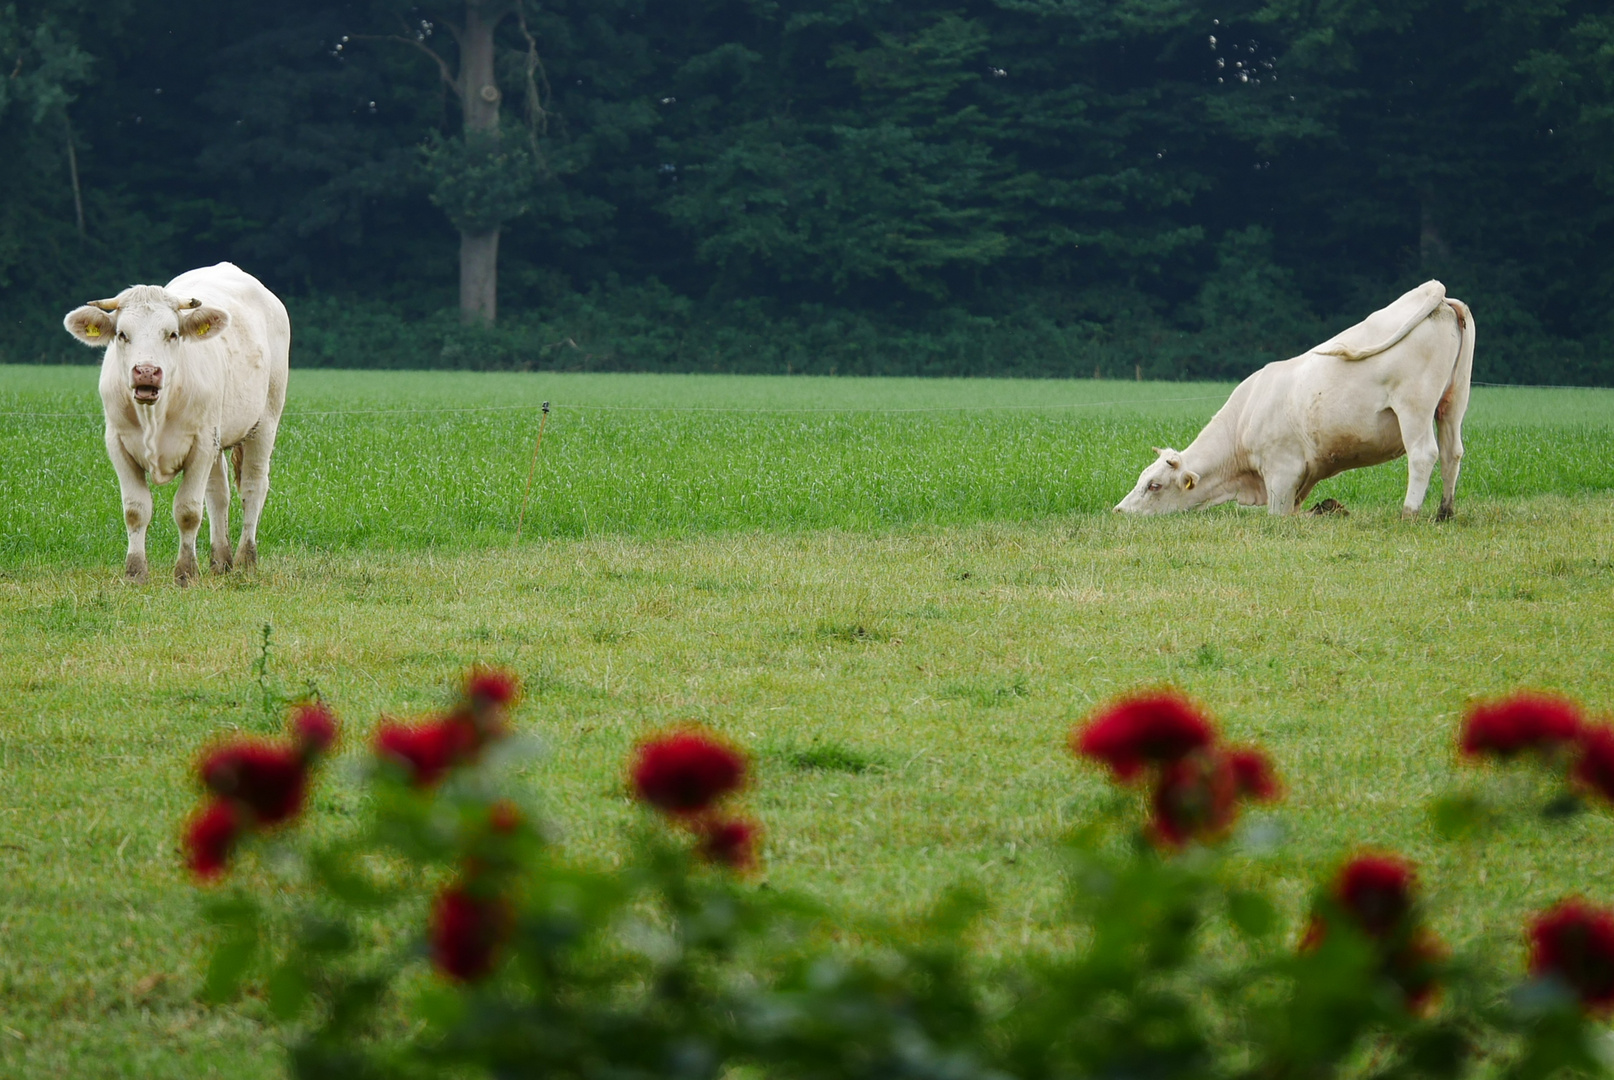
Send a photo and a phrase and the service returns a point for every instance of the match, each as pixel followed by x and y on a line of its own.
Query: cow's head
pixel 1165 486
pixel 144 330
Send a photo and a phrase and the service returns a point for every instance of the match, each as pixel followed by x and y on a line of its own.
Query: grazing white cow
pixel 193 369
pixel 1395 383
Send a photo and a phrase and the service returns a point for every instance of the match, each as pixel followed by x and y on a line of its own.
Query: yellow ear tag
pixel 203 328
pixel 92 330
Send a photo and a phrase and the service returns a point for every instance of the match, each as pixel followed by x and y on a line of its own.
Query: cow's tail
pixel 1454 402
pixel 1432 300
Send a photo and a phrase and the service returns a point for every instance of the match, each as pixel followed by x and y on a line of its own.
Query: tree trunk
pixel 479 277
pixel 479 98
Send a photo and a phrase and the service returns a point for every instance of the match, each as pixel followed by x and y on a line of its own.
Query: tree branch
pixel 537 115
pixel 442 65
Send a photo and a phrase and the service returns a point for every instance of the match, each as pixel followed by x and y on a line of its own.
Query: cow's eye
pixel 1154 485
pixel 173 335
pixel 123 337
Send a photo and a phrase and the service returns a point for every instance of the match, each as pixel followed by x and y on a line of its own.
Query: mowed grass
pixel 904 657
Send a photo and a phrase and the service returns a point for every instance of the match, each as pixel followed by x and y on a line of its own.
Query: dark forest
pixel 1162 189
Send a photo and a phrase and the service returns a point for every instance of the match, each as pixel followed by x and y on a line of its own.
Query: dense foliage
pixel 446 933
pixel 1174 188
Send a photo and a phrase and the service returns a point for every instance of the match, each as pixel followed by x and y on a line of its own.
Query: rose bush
pixel 444 933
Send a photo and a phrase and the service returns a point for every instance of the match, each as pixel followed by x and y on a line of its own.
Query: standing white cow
pixel 1395 383
pixel 193 369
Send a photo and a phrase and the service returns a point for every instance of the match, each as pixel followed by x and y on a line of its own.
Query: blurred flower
pixel 728 842
pixel 504 816
pixel 1415 968
pixel 1195 798
pixel 428 749
pixel 685 772
pixel 1522 721
pixel 267 778
pixel 1595 767
pixel 1574 942
pixel 466 931
pixel 1253 774
pixel 1152 727
pixel 313 728
pixel 1376 891
pixel 210 837
pixel 486 686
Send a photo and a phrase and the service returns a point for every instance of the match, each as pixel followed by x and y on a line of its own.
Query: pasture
pixel 901 613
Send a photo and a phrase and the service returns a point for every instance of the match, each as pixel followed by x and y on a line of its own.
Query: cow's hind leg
pixel 198 470
pixel 254 484
pixel 218 515
pixel 1450 437
pixel 1453 405
pixel 1418 436
pixel 136 506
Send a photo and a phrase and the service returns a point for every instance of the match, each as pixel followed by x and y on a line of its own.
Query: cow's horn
pixel 191 303
pixel 104 305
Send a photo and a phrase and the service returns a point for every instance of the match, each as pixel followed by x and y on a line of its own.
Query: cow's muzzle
pixel 146 380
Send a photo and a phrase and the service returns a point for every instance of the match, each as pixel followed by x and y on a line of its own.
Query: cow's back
pixel 253 352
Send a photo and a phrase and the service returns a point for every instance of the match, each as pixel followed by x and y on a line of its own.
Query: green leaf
pixel 229 964
pixel 288 991
pixel 345 884
pixel 1251 913
pixel 1459 817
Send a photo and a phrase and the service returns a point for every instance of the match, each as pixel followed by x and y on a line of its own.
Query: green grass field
pixel 900 612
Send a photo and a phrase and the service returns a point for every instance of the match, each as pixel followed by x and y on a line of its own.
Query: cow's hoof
pixel 220 563
pixel 1329 506
pixel 1444 513
pixel 246 556
pixel 134 570
pixel 1408 514
pixel 185 571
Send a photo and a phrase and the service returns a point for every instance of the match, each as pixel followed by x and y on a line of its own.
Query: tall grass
pixel 415 461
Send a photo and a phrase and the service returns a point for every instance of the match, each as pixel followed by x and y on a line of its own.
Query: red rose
pixel 1595 766
pixel 1575 942
pixel 1253 774
pixel 1415 968
pixel 504 817
pixel 313 728
pixel 495 687
pixel 269 779
pixel 1158 727
pixel 1520 722
pixel 685 772
pixel 428 749
pixel 210 837
pixel 731 842
pixel 1194 799
pixel 1376 891
pixel 466 932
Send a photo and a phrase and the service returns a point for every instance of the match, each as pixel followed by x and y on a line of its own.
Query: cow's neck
pixel 1214 455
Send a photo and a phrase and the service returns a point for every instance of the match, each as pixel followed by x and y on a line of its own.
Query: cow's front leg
pixel 218 514
pixel 188 513
pixel 136 506
pixel 1283 492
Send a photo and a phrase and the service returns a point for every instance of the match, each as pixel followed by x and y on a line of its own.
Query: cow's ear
pixel 91 325
pixel 1189 479
pixel 203 323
